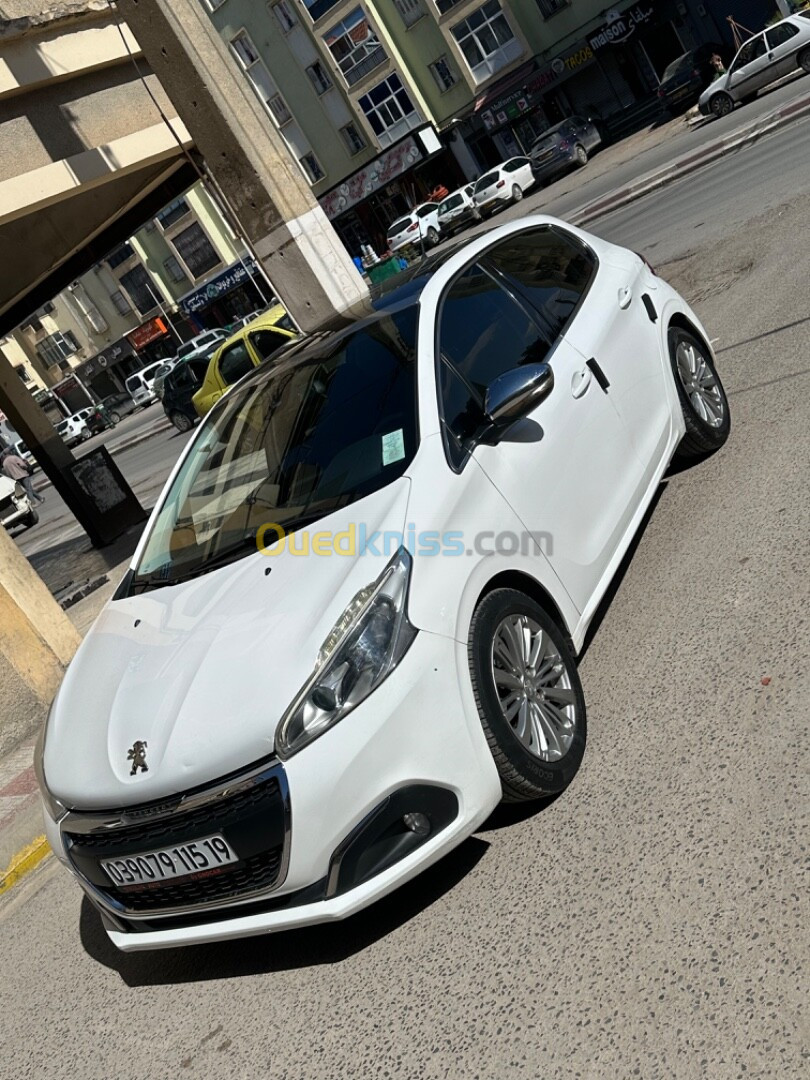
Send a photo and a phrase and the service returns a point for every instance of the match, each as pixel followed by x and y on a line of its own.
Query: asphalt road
pixel 653 920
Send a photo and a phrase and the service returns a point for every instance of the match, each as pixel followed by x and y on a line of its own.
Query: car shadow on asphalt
pixel 287 950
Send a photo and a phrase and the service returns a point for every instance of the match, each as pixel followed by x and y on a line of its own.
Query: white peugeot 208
pixel 351 626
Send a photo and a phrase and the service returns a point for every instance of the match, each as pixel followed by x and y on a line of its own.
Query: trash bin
pixel 381 271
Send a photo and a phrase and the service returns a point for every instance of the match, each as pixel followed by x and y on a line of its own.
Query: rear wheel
pixel 181 421
pixel 115 417
pixel 517 193
pixel 804 61
pixel 721 104
pixel 703 399
pixel 581 156
pixel 528 693
pixel 432 237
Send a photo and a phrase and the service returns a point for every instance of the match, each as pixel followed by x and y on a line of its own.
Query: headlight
pixel 363 648
pixel 56 810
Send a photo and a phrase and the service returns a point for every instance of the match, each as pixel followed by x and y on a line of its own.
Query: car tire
pixel 804 61
pixel 703 400
pixel 517 193
pixel 721 104
pixel 115 417
pixel 181 422
pixel 432 237
pixel 580 156
pixel 527 770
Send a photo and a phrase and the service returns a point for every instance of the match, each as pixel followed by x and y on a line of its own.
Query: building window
pixel 120 302
pixel 196 250
pixel 486 40
pixel 443 74
pixel 389 110
pixel 318 77
pixel 355 47
pixel 139 289
pixel 119 255
pixel 260 79
pixel 174 269
pixel 24 375
pixel 57 348
pixel 410 11
pixel 312 168
pixel 551 7
pixel 446 5
pixel 176 209
pixel 284 13
pixel 353 138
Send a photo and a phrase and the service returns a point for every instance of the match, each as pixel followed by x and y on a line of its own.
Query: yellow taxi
pixel 242 352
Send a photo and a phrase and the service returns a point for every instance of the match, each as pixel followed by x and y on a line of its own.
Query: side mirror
pixel 515 393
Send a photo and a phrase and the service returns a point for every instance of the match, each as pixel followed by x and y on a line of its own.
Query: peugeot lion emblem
pixel 137 755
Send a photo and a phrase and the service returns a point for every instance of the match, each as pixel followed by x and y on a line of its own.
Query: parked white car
pixel 763 58
pixel 506 183
pixel 202 341
pixel 15 506
pixel 458 210
pixel 441 494
pixel 420 225
pixel 73 429
pixel 140 385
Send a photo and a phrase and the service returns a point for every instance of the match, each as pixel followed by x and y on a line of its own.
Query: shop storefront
pixel 106 373
pixel 154 341
pixel 233 293
pixel 363 206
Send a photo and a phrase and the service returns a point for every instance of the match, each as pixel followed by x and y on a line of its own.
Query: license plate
pixel 182 860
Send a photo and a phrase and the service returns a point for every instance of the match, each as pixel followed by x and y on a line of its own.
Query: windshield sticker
pixel 393 447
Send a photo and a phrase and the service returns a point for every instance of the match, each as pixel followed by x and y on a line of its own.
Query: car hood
pixel 718 84
pixel 202 672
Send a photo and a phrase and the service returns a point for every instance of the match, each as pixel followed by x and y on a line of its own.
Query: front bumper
pixel 415 744
pixel 14 511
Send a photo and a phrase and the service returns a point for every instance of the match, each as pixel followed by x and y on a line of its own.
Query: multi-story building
pixel 380 101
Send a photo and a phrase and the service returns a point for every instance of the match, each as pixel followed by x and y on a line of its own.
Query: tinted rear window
pixel 399 226
pixel 683 63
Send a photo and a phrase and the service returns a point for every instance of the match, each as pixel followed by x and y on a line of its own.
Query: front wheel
pixel 703 400
pixel 528 693
pixel 721 105
pixel 181 422
pixel 432 237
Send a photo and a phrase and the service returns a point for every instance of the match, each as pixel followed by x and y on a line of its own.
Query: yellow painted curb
pixel 23 863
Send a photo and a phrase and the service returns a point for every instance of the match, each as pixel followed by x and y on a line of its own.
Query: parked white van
pixel 140 386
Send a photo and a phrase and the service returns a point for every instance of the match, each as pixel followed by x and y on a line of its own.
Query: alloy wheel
pixel 534 687
pixel 700 384
pixel 721 104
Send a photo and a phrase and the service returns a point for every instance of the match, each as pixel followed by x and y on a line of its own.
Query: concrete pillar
pixel 301 253
pixel 37 641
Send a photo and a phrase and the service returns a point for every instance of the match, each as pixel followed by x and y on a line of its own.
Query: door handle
pixel 625 297
pixel 580 382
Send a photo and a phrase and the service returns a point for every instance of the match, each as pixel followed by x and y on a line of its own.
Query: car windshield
pixel 399 226
pixel 679 65
pixel 314 433
pixel 486 181
pixel 451 203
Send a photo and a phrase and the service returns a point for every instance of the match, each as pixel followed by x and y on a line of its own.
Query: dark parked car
pixel 566 144
pixel 179 387
pixel 687 77
pixel 118 406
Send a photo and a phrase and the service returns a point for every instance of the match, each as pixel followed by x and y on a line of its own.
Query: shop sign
pixel 146 334
pixel 65 387
pixel 618 28
pixel 223 283
pixel 374 176
pixel 507 108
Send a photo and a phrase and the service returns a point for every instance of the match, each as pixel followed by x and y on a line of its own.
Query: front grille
pixel 163 833
pixel 251 813
pixel 256 873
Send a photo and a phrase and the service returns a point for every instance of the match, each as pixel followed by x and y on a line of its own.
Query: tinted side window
pixel 483 333
pixel 549 270
pixel 234 363
pixel 781 34
pixel 266 342
pixel 198 369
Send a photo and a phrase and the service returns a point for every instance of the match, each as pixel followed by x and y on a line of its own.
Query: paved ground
pixel 651 922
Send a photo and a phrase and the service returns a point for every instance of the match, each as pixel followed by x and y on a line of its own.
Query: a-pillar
pixel 248 158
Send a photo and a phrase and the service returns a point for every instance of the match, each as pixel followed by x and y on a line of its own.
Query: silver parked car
pixel 565 145
pixel 767 56
pixel 458 210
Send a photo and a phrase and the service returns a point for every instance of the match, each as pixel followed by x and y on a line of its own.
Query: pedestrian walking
pixel 16 469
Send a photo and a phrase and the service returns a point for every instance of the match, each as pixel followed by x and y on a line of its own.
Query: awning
pixel 492 95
